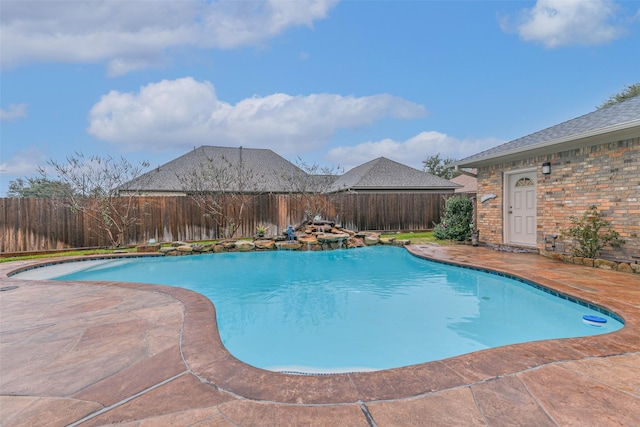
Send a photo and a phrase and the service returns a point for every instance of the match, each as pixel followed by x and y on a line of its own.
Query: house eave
pixel 620 131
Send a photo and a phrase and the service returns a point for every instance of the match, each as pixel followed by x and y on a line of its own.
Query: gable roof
pixel 384 174
pixel 270 171
pixel 619 120
pixel 468 180
pixel 267 168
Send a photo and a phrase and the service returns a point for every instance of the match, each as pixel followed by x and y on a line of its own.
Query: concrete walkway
pixel 145 355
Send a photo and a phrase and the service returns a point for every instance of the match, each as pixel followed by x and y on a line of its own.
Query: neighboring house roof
pixel 383 174
pixel 267 169
pixel 468 180
pixel 270 173
pixel 620 120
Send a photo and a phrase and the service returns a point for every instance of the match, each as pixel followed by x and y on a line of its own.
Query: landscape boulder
pixel 265 244
pixel 332 237
pixel 289 245
pixel 371 239
pixel 185 249
pixel 245 245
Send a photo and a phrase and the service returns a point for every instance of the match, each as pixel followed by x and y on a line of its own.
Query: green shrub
pixel 591 233
pixel 456 223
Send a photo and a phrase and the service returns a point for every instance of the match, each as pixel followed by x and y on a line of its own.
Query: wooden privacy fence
pixel 36 224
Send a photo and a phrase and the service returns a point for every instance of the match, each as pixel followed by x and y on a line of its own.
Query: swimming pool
pixel 356 310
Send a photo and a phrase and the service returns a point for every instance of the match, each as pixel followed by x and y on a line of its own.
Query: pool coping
pixel 206 357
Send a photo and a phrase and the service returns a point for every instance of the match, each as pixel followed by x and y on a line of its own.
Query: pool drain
pixel 8 288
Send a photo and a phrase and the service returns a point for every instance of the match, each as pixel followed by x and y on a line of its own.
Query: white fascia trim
pixel 575 138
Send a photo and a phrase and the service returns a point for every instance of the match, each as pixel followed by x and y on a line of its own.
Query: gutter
pixel 577 139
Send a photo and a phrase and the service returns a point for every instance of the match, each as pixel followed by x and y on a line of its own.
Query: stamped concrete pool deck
pixel 146 355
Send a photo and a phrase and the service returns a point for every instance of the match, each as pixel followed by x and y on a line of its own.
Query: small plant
pixel 591 233
pixel 261 230
pixel 456 222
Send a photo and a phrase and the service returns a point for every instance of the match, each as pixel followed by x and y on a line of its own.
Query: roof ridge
pixel 599 121
pixel 599 111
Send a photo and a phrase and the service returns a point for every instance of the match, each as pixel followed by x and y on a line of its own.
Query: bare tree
pixel 224 189
pixel 98 189
pixel 313 188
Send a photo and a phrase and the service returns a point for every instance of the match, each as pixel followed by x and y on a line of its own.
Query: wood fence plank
pixel 29 224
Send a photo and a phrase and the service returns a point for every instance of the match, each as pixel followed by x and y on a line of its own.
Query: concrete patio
pixel 146 355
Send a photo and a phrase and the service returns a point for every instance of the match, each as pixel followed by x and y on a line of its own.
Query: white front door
pixel 521 208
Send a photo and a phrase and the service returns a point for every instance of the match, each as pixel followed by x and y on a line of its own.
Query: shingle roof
pixel 469 183
pixel 385 174
pixel 616 117
pixel 270 171
pixel 267 168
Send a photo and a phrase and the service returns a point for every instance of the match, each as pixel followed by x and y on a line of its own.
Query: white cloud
pixel 13 111
pixel 24 162
pixel 412 151
pixel 557 23
pixel 130 35
pixel 184 113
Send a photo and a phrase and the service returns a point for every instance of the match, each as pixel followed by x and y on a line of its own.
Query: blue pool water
pixel 355 310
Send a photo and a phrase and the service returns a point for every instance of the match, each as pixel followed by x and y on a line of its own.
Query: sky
pixel 325 82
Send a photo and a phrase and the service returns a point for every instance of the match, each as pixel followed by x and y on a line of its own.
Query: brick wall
pixel 489 215
pixel 606 175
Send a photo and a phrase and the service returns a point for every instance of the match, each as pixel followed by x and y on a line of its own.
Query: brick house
pixel 529 188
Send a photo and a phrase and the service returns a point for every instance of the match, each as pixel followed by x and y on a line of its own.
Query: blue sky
pixel 336 83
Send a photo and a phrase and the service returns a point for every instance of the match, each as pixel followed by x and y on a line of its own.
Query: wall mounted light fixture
pixel 546 168
pixel 487 197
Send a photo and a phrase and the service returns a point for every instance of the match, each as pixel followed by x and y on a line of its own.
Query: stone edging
pixel 311 237
pixel 605 264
